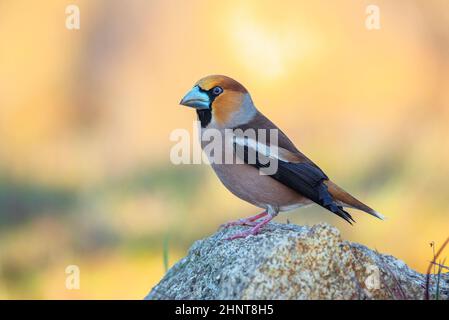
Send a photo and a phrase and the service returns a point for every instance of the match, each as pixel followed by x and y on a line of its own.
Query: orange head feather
pixel 220 100
pixel 229 101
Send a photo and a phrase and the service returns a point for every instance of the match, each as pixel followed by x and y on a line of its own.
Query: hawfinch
pixel 223 104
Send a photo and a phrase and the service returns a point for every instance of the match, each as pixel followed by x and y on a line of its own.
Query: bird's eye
pixel 217 90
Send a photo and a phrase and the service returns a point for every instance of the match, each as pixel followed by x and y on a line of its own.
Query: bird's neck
pixel 205 117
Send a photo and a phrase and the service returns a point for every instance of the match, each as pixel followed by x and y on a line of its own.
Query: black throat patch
pixel 205 115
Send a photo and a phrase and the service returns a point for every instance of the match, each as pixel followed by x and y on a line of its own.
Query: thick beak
pixel 195 98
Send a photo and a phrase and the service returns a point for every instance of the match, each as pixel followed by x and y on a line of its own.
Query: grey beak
pixel 196 98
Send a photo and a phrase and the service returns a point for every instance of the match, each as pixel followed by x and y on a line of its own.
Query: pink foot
pixel 251 232
pixel 245 222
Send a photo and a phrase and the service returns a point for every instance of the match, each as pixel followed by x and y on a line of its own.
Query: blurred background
pixel 85 118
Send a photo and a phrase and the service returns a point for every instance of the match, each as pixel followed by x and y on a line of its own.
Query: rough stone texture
pixel 288 261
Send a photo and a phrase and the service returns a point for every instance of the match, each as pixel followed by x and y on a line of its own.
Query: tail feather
pixel 326 201
pixel 346 200
pixel 344 214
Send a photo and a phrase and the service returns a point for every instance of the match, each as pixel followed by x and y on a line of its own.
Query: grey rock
pixel 288 261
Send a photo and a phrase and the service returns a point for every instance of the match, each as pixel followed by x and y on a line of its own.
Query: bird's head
pixel 221 100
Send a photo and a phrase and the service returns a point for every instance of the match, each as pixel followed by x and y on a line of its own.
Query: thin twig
pixel 427 295
pixel 442 266
pixel 439 280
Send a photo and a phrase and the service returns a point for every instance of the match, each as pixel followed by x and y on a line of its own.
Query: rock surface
pixel 288 261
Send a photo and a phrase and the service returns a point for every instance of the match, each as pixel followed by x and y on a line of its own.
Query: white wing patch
pixel 270 151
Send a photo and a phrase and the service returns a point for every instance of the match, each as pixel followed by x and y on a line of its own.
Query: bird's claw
pixel 251 221
pixel 240 222
pixel 251 232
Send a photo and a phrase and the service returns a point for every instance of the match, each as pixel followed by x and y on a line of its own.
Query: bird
pixel 223 104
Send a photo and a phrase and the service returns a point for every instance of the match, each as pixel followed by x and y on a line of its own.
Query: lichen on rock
pixel 287 261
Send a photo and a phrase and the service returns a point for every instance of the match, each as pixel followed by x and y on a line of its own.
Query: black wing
pixel 303 177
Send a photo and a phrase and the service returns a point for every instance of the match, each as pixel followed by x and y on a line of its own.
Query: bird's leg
pixel 246 221
pixel 256 228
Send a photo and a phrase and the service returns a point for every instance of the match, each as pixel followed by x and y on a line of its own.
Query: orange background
pixel 85 116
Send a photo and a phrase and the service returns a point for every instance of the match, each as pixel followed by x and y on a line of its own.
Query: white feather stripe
pixel 272 151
